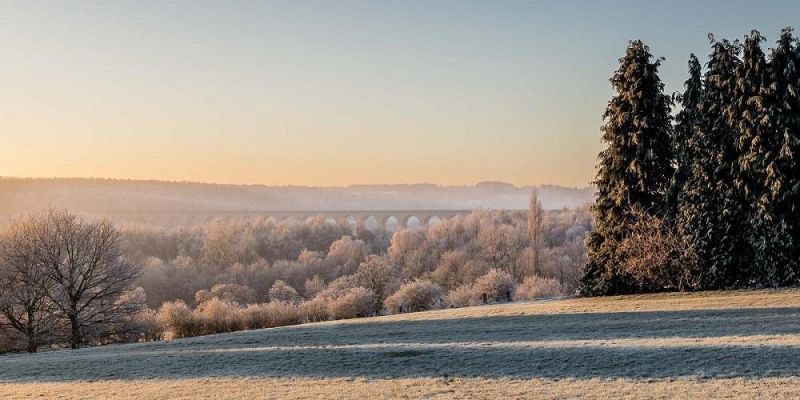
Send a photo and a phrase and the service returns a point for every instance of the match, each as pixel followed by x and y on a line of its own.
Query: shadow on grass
pixel 420 349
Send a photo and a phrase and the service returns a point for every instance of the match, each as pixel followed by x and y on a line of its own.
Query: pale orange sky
pixel 327 93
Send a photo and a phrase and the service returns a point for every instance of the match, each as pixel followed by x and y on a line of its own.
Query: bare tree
pixel 88 274
pixel 501 246
pixel 655 255
pixel 23 286
pixel 535 218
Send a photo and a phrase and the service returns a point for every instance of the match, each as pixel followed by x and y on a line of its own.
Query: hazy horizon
pixel 333 94
pixel 199 182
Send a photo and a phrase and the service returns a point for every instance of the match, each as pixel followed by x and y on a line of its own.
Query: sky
pixel 333 93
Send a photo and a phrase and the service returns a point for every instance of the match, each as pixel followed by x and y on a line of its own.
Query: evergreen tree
pixel 635 168
pixel 751 102
pixel 685 128
pixel 713 210
pixel 776 221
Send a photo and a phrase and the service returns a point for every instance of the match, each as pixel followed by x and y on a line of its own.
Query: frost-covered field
pixel 722 345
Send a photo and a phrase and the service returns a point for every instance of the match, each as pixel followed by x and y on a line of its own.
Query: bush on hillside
pixel 271 315
pixel 356 302
pixel 536 287
pixel 496 285
pixel 463 296
pixel 176 319
pixel 218 316
pixel 417 295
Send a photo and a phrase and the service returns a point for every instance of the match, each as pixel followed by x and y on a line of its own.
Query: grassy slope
pixel 726 344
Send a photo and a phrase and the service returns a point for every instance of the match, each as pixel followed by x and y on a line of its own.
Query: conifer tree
pixel 751 101
pixel 771 157
pixel 713 210
pixel 634 170
pixel 752 82
pixel 685 128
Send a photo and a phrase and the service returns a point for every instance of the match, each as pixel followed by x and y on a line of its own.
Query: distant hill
pixel 100 196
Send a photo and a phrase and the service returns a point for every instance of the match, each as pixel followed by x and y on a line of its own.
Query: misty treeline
pixel 706 198
pixel 255 273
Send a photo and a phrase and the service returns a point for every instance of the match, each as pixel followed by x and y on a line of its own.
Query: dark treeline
pixel 706 198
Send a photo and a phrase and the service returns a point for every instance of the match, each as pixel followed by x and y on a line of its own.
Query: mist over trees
pixel 147 283
pixel 707 199
pixel 309 256
pixel 113 198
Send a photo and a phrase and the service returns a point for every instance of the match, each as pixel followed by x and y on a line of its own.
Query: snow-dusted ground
pixel 744 335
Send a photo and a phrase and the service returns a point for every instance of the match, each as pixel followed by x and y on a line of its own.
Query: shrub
pixel 463 296
pixel 256 316
pixel 315 310
pixel 536 287
pixel 229 292
pixel 270 315
pixel 417 295
pixel 379 276
pixel 146 325
pixel 655 255
pixel 356 302
pixel 313 286
pixel 176 318
pixel 218 316
pixel 497 285
pixel 338 287
pixel 281 314
pixel 280 291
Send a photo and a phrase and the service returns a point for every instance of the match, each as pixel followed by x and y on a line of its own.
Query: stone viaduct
pixel 389 219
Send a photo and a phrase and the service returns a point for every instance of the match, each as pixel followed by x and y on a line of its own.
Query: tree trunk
pixel 75 334
pixel 33 344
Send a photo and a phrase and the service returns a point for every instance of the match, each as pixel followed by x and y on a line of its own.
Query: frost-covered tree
pixel 280 291
pixel 635 168
pixel 230 292
pixel 377 274
pixel 501 246
pixel 23 286
pixel 496 285
pixel 750 117
pixel 713 209
pixel 684 132
pixel 83 261
pixel 535 216
pixel 346 254
pixel 749 109
pixel 416 295
pixel 775 140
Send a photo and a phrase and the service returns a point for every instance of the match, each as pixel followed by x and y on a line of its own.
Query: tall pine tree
pixel 771 157
pixel 684 132
pixel 713 211
pixel 756 146
pixel 635 168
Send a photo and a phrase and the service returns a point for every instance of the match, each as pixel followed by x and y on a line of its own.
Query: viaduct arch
pixel 417 218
